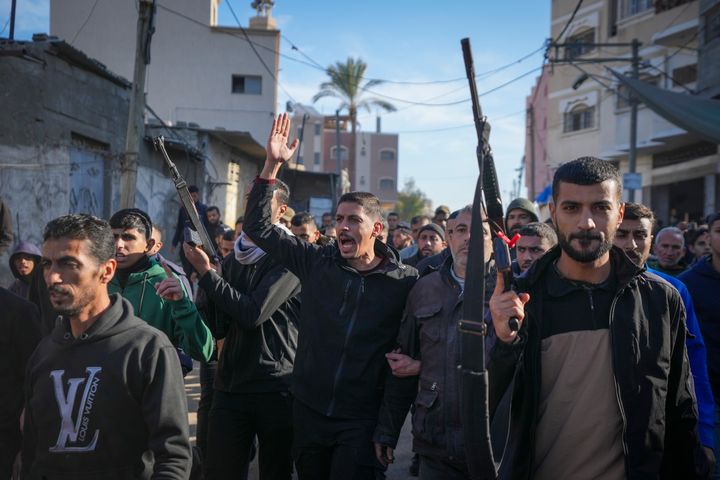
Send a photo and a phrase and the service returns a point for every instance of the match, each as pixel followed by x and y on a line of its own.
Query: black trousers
pixel 207 378
pixel 234 420
pixel 331 448
pixel 432 468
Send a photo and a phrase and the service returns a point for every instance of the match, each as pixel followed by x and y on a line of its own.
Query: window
pixel 387 155
pixel 343 153
pixel 250 84
pixel 579 44
pixel 387 184
pixel 628 8
pixel 318 129
pixel 623 93
pixel 316 158
pixel 712 23
pixel 581 117
pixel 684 75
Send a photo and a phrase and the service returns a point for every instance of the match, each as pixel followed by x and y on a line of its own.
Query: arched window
pixel 580 117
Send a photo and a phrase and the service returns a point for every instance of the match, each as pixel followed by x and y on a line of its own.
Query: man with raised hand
pixel 600 368
pixel 353 294
pixel 105 397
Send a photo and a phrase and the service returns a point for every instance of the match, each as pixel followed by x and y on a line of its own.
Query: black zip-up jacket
pixel 255 308
pixel 349 321
pixel 650 368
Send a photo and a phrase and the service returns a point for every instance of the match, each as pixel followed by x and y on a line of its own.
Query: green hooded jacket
pixel 179 320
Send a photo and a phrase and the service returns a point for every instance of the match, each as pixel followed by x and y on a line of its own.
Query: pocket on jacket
pixel 429 328
pixel 424 403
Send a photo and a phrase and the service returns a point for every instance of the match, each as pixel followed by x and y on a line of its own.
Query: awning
pixel 697 115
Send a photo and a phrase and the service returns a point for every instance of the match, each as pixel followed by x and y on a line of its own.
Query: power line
pixel 257 54
pixel 456 127
pixel 572 17
pixel 85 22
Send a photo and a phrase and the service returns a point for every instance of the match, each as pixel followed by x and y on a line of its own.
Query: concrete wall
pixel 63 131
pixel 537 103
pixel 192 62
pixel 709 55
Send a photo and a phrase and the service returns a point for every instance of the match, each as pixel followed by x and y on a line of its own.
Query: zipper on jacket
pixel 617 385
pixel 341 364
pixel 142 293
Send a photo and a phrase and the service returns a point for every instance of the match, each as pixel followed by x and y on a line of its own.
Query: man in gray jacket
pixel 104 392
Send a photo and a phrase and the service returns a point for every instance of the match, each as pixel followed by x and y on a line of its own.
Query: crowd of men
pixel 316 341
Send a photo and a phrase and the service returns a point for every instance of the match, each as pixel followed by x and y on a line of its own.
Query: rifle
pixel 474 376
pixel 198 232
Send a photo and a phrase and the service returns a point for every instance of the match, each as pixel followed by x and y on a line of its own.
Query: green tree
pixel 346 84
pixel 411 201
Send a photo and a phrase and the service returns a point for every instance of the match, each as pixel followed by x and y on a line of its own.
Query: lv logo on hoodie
pixel 73 436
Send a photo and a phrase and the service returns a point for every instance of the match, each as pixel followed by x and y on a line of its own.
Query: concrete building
pixel 588 112
pixel 708 84
pixel 199 73
pixel 376 156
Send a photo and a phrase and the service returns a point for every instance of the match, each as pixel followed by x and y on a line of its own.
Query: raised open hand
pixel 278 151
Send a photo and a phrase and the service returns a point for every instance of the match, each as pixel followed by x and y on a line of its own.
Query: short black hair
pixel 586 171
pixel 80 226
pixel 132 218
pixel 538 229
pixel 393 213
pixel 282 191
pixel 229 235
pixel 368 201
pixel 213 207
pixel 691 236
pixel 638 211
pixel 712 218
pixel 302 218
pixel 419 218
pixel 239 220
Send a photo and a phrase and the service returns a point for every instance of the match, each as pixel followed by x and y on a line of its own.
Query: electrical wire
pixel 257 54
pixel 82 27
pixel 572 17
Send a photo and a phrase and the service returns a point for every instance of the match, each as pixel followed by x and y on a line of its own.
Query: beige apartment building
pixel 588 112
pixel 199 73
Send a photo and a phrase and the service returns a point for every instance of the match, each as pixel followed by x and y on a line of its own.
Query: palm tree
pixel 346 84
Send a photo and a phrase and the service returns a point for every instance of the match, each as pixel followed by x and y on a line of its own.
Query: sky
pixel 413 42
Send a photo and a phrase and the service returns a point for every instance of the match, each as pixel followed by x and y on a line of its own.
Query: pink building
pixel 537 173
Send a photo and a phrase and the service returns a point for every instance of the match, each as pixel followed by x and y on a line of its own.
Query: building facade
pixel 199 73
pixel 376 155
pixel 537 172
pixel 589 112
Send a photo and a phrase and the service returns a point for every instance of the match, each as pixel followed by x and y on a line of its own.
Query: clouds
pixel 32 16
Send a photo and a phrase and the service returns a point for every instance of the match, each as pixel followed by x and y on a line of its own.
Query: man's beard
pixel 78 304
pixel 584 256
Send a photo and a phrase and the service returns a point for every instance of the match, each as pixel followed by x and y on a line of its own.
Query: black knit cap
pixel 435 228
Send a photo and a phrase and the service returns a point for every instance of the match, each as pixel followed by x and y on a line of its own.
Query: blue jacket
pixel 698 362
pixel 703 282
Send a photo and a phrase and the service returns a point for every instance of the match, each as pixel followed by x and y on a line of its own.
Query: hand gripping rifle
pixel 198 233
pixel 474 376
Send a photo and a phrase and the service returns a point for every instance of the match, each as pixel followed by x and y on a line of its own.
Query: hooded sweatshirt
pixel 109 404
pixel 703 281
pixel 21 286
pixel 179 320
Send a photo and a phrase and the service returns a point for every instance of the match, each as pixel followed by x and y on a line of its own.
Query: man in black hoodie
pixel 353 294
pixel 104 392
pixel 20 327
pixel 254 306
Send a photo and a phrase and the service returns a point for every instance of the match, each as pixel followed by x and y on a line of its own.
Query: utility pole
pixel 631 180
pixel 531 115
pixel 12 19
pixel 136 126
pixel 632 154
